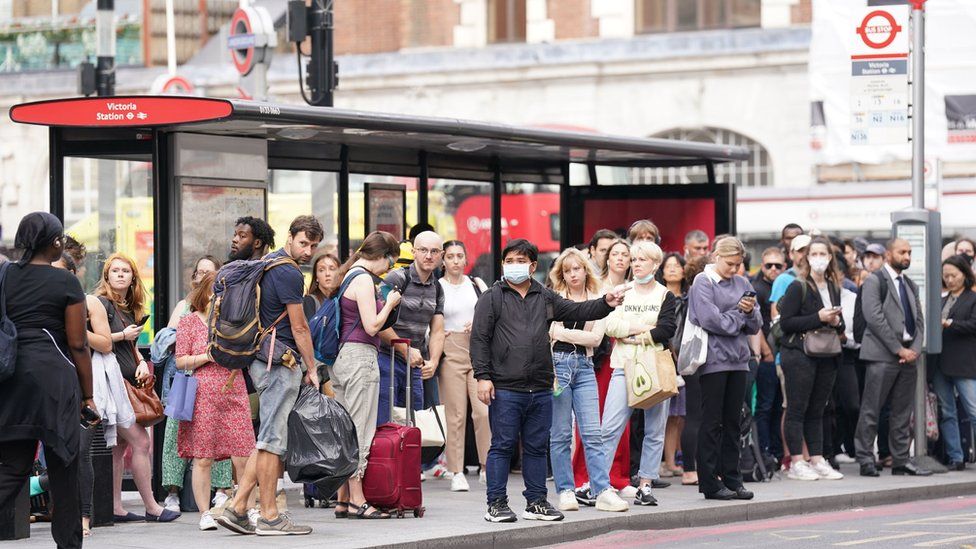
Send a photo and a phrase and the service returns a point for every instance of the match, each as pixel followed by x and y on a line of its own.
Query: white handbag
pixel 429 421
pixel 694 348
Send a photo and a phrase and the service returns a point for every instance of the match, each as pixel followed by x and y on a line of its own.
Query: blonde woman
pixel 724 305
pixel 648 317
pixel 616 271
pixel 123 295
pixel 572 277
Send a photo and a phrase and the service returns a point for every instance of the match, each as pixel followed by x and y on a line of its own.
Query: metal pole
pixel 105 47
pixel 343 206
pixel 918 202
pixel 170 39
pixel 918 104
pixel 497 190
pixel 423 190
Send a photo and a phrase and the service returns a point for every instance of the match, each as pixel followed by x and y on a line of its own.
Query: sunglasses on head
pixel 773 265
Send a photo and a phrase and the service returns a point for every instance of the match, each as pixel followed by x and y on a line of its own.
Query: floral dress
pixel 221 425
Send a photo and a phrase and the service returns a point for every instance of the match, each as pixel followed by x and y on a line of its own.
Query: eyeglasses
pixel 778 266
pixel 434 252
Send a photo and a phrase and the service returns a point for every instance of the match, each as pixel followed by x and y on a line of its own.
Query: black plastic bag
pixel 322 445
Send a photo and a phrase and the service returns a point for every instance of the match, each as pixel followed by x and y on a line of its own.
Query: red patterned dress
pixel 221 426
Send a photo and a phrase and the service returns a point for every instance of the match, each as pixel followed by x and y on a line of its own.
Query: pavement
pixel 456 519
pixel 948 522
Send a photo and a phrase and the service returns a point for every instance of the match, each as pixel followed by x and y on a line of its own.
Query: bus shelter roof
pixel 304 137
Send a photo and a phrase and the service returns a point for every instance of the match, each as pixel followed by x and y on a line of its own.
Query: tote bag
pixel 429 421
pixel 694 348
pixel 650 377
pixel 182 397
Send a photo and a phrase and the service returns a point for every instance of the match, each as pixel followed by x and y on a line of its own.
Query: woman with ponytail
pixel 355 374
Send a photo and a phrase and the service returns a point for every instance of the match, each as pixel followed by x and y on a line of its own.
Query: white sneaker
pixel 459 483
pixel 567 501
pixel 826 472
pixel 423 477
pixel 207 522
pixel 220 499
pixel 252 516
pixel 483 478
pixel 608 500
pixel 439 471
pixel 844 458
pixel 801 470
pixel 628 492
pixel 172 502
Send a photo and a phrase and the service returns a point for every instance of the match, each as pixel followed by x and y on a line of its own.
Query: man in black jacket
pixel 512 361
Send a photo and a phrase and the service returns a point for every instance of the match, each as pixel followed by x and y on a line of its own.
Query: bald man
pixel 421 313
pixel 891 345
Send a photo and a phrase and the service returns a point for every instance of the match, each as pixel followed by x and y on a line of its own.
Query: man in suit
pixel 891 345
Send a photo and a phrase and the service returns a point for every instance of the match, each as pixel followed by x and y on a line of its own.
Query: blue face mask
pixel 645 279
pixel 516 273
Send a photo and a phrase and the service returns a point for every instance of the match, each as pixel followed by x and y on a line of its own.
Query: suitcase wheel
pixel 418 513
pixel 309 502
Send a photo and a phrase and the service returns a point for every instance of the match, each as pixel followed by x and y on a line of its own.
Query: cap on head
pixel 876 249
pixel 800 242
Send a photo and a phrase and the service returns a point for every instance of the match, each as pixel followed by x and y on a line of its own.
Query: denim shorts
pixel 277 392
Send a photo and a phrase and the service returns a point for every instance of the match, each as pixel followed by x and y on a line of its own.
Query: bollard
pixel 15 523
pixel 102 502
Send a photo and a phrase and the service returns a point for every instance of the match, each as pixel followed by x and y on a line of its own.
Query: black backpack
pixel 235 326
pixel 754 466
pixel 860 325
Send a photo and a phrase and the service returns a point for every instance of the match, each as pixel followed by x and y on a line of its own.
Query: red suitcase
pixel 392 480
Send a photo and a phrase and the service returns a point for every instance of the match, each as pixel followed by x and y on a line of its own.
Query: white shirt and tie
pixel 906 337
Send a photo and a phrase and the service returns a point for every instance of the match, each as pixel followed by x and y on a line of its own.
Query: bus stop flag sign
pixel 879 76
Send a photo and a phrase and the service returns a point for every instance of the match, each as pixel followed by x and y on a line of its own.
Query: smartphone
pixel 89 417
pixel 750 294
pixel 143 322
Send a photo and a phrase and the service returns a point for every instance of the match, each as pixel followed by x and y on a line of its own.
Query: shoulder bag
pixel 823 342
pixel 145 402
pixel 8 332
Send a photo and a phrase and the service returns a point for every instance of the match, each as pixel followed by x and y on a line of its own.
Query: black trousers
pixel 722 395
pixel 16 461
pixel 809 383
pixel 693 418
pixel 86 473
pixel 847 401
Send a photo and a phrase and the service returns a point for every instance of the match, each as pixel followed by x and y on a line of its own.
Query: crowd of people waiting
pixel 818 348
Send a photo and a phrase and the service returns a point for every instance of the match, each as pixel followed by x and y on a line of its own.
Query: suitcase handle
pixel 409 409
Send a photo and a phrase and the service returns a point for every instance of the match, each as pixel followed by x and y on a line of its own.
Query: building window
pixel 506 21
pixel 757 171
pixel 689 15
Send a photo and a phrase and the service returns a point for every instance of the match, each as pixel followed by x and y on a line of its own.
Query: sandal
pixel 363 515
pixel 342 514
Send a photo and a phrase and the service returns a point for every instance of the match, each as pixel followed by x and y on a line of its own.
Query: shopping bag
pixel 182 397
pixel 650 376
pixel 694 348
pixel 323 448
pixel 429 421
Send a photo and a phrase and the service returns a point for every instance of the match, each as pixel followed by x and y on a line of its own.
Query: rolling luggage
pixel 392 479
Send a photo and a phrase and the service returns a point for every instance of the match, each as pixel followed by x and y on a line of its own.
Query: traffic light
pixel 315 21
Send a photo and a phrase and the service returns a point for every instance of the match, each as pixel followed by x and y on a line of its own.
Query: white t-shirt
pixel 459 302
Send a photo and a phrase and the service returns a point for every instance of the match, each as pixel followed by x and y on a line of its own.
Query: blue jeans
pixel 514 416
pixel 616 415
pixel 769 409
pixel 417 387
pixel 946 388
pixel 574 372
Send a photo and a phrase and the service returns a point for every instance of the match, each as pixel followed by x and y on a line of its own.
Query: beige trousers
pixel 458 387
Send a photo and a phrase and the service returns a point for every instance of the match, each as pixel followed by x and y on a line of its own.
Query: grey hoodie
pixel 713 305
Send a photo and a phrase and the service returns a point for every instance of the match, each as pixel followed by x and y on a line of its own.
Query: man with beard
pixel 252 239
pixel 277 383
pixel 891 344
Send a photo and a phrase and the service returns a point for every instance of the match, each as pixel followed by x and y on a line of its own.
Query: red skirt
pixel 620 470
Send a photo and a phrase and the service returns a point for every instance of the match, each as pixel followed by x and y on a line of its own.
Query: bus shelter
pixel 163 178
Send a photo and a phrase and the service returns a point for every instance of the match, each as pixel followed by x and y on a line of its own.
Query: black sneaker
pixel 499 511
pixel 542 510
pixel 584 496
pixel 645 497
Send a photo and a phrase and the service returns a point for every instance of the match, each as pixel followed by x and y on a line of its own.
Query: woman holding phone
pixel 812 302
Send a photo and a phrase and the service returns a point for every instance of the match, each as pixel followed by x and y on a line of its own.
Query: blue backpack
pixel 326 323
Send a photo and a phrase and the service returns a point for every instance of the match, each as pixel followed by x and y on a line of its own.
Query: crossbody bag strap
pixel 3 290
